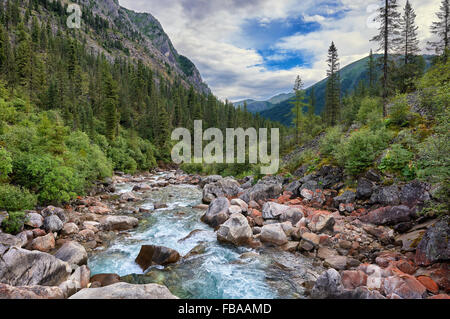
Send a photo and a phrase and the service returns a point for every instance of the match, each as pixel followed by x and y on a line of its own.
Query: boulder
pixel 100 210
pixel 414 193
pixel 319 222
pixel 336 262
pixel 346 198
pixel 273 234
pixel 330 176
pixel 156 255
pixel 118 223
pixel 141 187
pixel 52 224
pixel 72 253
pixel 389 215
pixel 352 279
pixel 30 292
pixel 69 229
pixel 364 189
pixel 435 244
pixel 20 267
pixel 267 188
pixel 292 215
pixel 234 209
pixel 226 187
pixel 239 202
pixel 126 291
pixel 273 210
pixel 34 220
pixel 294 188
pixel 386 196
pixel 129 197
pixel 405 286
pixel 44 243
pixel 328 285
pixel 51 210
pixel 7 240
pixel 209 180
pixel 235 230
pixel 105 279
pixel 217 212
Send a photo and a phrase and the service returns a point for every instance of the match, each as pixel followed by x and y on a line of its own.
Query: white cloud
pixel 208 32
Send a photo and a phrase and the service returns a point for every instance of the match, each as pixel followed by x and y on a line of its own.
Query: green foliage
pixel 331 140
pixel 5 163
pixel 398 159
pixel 400 111
pixel 14 223
pixel 14 198
pixel 359 151
pixel 434 88
pixel 370 110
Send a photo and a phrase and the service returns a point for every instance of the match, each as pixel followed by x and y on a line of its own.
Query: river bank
pixel 271 239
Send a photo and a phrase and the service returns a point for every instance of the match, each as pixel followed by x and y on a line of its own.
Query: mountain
pixel 260 106
pixel 139 36
pixel 351 75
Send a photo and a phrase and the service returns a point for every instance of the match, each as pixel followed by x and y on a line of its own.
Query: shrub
pixel 358 152
pixel 369 110
pixel 14 198
pixel 398 159
pixel 399 112
pixel 331 139
pixel 435 88
pixel 14 223
pixel 5 163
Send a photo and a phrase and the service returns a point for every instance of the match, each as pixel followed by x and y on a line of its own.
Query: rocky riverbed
pixel 170 234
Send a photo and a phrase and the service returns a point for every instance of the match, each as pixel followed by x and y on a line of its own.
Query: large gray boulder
pixel 273 234
pixel 365 188
pixel 209 180
pixel 435 245
pixel 235 230
pixel 52 223
pixel 126 291
pixel 328 285
pixel 389 215
pixel 34 220
pixel 72 253
pixel 118 223
pixel 7 240
pixel 217 212
pixel 387 196
pixel 51 210
pixel 265 189
pixel 226 187
pixel 282 213
pixel 414 193
pixel 20 267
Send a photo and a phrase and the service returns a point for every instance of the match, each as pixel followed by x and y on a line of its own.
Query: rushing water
pixel 218 271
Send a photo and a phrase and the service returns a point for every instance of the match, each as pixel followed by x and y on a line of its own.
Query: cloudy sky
pixel 256 48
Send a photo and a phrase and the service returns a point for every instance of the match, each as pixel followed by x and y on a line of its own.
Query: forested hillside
pixel 70 115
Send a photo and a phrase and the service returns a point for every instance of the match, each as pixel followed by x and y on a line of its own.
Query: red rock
pixel 429 284
pixel 441 296
pixel 37 232
pixel 295 202
pixel 352 279
pixel 405 266
pixel 43 243
pixel 439 273
pixel 255 213
pixel 283 199
pixel 406 286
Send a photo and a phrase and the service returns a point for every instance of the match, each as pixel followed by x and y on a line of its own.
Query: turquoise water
pixel 218 273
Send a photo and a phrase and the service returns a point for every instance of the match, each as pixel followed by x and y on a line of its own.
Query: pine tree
pixel 110 106
pixel 162 130
pixel 23 57
pixel 297 110
pixel 371 71
pixel 3 52
pixel 333 89
pixel 441 29
pixel 408 43
pixel 388 32
pixel 312 102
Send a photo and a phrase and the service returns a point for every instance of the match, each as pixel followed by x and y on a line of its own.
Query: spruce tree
pixel 388 17
pixel 441 28
pixel 110 106
pixel 408 43
pixel 312 102
pixel 23 57
pixel 333 88
pixel 3 43
pixel 371 70
pixel 297 110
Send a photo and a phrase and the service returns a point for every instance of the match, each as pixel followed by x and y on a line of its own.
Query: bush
pixel 5 163
pixel 435 88
pixel 398 159
pixel 370 110
pixel 360 150
pixel 14 223
pixel 399 112
pixel 14 198
pixel 331 139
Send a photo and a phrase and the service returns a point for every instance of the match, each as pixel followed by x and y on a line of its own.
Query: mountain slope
pixel 351 75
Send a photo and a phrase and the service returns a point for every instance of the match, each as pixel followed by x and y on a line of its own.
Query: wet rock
pixel 328 285
pixel 30 292
pixel 44 243
pixel 217 212
pixel 160 205
pixel 34 220
pixel 265 189
pixel 118 223
pixel 51 211
pixel 72 253
pixel 104 280
pixel 210 180
pixel 126 291
pixel 389 215
pixel 69 229
pixel 100 210
pixel 386 196
pixel 156 255
pixel 273 234
pixel 414 193
pixel 226 187
pixel 290 246
pixel 129 197
pixel 405 286
pixel 52 224
pixel 365 188
pixel 20 267
pixel 235 230
pixel 197 250
pixel 86 235
pixel 435 245
pixel 141 187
